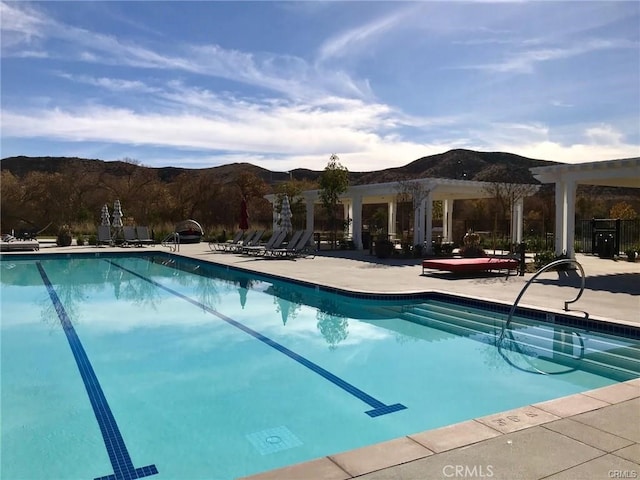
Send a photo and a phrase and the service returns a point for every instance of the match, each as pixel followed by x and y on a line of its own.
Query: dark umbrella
pixel 244 215
pixel 244 289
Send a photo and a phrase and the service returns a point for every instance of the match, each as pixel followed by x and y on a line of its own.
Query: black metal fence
pixel 607 236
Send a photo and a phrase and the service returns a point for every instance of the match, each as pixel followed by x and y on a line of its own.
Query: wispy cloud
pixel 358 38
pixel 525 61
pixel 20 26
pixel 113 84
pixel 285 74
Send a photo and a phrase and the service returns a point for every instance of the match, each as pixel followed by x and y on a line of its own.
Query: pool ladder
pixel 172 242
pixel 553 264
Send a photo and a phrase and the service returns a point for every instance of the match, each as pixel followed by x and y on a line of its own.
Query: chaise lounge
pixel 9 243
pixel 467 265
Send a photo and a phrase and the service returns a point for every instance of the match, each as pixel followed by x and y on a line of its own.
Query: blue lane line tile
pixel 119 457
pixel 379 408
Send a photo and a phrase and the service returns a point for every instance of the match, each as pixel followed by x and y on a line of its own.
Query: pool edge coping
pixel 426 441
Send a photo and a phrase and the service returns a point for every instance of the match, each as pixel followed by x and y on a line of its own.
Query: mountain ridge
pixel 454 164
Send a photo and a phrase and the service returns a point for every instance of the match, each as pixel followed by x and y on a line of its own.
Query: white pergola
pixel 611 173
pixel 431 189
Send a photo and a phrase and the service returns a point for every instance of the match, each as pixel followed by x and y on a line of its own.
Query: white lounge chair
pixel 9 243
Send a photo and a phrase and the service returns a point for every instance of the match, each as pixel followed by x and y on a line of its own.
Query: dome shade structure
pixel 190 231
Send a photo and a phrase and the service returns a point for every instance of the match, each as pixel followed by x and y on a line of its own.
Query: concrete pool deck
pixel 592 435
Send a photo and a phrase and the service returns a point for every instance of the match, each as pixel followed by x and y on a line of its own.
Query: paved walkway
pixel 593 435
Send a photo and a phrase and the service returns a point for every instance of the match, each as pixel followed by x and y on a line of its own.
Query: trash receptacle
pixel 366 239
pixel 605 243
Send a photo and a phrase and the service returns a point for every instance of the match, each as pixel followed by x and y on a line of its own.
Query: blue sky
pixel 285 85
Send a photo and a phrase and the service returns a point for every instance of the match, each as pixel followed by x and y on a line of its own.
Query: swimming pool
pixel 135 364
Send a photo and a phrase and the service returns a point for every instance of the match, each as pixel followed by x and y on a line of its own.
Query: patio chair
pixel 144 238
pixel 294 249
pixel 236 247
pixel 10 243
pixel 220 245
pixel 293 241
pixel 275 241
pixel 130 236
pixel 305 247
pixel 104 235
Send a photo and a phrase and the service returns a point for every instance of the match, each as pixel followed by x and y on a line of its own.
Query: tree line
pixel 74 197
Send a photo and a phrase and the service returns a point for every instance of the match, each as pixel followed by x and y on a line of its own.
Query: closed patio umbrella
pixel 285 215
pixel 104 216
pixel 117 214
pixel 117 219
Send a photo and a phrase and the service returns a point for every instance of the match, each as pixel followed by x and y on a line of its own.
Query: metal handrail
pixel 544 269
pixel 535 369
pixel 175 237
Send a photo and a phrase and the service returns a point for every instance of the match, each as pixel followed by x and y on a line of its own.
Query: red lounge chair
pixel 464 265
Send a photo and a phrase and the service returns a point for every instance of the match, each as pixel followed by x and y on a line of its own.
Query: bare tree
pixel 506 195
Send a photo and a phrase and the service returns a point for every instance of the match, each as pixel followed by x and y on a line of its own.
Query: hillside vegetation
pixel 56 191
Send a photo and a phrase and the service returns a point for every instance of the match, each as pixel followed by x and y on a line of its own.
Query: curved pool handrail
pixel 548 266
pixel 535 369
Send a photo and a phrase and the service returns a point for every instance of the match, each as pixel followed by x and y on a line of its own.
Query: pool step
pixel 602 355
pixel 598 348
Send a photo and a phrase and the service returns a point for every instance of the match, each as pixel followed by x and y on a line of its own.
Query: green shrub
pixel 545 257
pixel 540 259
pixel 443 249
pixel 64 237
pixel 384 248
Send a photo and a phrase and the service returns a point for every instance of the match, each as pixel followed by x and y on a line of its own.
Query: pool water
pixel 133 366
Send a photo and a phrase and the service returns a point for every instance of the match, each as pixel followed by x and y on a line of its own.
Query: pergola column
pixel 565 217
pixel 570 212
pixel 356 224
pixel 309 203
pixel 418 230
pixel 348 214
pixel 427 207
pixel 447 219
pixel 391 224
pixel 517 221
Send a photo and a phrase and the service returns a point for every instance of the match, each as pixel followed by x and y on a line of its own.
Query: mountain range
pixel 454 164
